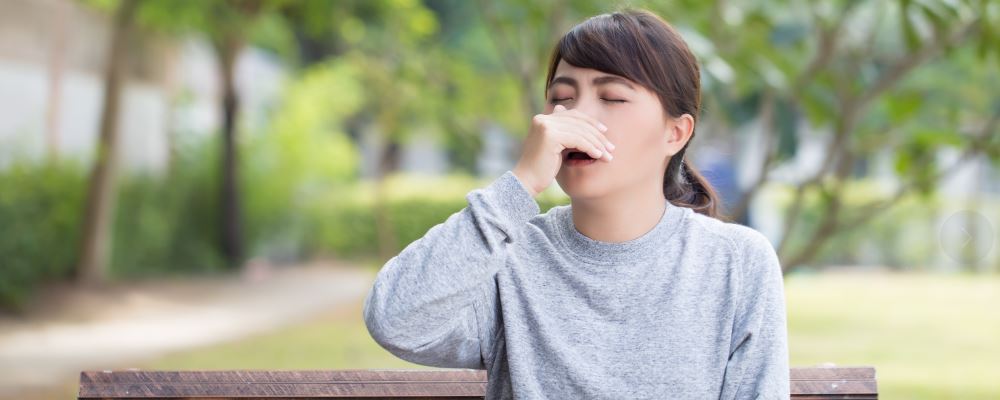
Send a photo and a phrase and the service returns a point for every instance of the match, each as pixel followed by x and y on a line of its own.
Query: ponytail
pixel 684 186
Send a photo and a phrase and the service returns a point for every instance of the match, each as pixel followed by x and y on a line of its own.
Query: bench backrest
pixel 806 383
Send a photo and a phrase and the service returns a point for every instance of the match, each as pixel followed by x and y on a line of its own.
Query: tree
pixel 417 74
pixel 867 73
pixel 229 26
pixel 101 194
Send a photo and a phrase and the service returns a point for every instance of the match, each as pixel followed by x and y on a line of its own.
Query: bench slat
pixel 806 383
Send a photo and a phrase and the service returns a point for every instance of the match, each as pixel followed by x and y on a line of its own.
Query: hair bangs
pixel 603 43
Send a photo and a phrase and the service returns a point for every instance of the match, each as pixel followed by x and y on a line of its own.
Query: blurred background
pixel 214 184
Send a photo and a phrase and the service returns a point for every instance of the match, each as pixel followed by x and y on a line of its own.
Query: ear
pixel 679 131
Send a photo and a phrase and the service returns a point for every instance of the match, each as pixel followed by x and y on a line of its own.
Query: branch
pixel 830 224
pixel 978 146
pixel 844 126
pixel 824 51
pixel 851 111
pixel 907 63
pixel 767 126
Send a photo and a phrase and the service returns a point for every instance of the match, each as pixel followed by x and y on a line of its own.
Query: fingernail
pixel 599 154
pixel 603 128
pixel 610 157
pixel 611 146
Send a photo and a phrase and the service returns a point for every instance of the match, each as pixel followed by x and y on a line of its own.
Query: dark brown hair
pixel 641 46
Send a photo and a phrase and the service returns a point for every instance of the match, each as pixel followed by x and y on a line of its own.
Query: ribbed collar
pixel 592 251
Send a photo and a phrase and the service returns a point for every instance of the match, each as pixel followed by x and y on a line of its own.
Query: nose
pixel 589 106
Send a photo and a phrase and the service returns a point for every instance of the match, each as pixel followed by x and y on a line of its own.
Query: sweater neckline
pixel 592 251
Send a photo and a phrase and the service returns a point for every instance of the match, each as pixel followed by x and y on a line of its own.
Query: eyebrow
pixel 600 80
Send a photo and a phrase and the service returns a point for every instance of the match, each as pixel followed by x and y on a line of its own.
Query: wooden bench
pixel 806 383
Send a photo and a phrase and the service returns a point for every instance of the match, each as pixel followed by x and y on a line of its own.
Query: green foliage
pixel 302 152
pixel 216 19
pixel 168 224
pixel 903 236
pixel 39 226
pixel 343 221
pixel 164 224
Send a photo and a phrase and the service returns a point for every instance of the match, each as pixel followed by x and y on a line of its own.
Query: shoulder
pixel 751 250
pixel 741 238
pixel 737 237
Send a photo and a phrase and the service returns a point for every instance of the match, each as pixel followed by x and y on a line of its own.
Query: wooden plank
pixel 833 383
pixel 806 383
pixel 284 384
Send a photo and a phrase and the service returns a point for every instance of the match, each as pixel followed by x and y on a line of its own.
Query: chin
pixel 581 186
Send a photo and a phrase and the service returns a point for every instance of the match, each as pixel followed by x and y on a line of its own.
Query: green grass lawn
pixel 335 341
pixel 929 336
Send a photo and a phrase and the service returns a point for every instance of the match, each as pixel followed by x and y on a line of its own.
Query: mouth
pixel 575 158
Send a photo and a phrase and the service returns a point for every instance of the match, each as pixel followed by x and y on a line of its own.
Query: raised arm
pixel 758 366
pixel 433 303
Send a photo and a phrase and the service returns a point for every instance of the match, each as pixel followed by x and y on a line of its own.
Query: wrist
pixel 525 181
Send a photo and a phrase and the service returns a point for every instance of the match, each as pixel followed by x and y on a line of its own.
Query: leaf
pixel 933 138
pixel 986 38
pixel 818 101
pixel 903 162
pixel 910 36
pixel 938 21
pixel 785 121
pixel 904 106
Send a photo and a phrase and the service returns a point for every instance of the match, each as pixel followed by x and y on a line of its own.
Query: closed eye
pixel 554 101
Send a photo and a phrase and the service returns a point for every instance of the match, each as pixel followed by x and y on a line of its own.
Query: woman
pixel 634 290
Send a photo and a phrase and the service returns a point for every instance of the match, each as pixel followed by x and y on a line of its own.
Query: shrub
pixel 40 215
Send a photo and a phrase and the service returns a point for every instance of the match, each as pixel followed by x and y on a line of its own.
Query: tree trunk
pixel 386 235
pixel 231 210
pixel 99 212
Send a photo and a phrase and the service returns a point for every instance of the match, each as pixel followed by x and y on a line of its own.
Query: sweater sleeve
pixel 433 303
pixel 758 366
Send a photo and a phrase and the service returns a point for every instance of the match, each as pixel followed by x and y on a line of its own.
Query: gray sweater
pixel 692 309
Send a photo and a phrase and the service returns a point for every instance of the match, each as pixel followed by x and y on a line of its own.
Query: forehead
pixel 586 76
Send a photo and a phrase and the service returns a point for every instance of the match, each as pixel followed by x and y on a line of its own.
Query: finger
pixel 580 142
pixel 592 134
pixel 599 127
pixel 588 132
pixel 558 108
pixel 586 117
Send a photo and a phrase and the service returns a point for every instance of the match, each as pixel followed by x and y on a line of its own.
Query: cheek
pixel 635 137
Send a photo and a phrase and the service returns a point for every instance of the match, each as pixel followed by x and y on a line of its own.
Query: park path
pixel 112 327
